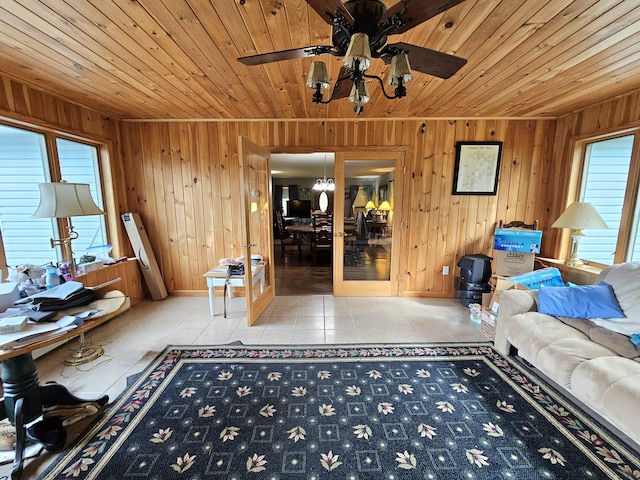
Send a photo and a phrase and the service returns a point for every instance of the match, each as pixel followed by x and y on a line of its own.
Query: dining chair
pixel 322 241
pixel 519 224
pixel 286 238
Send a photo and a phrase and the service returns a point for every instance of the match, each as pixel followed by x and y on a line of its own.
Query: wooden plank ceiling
pixel 176 59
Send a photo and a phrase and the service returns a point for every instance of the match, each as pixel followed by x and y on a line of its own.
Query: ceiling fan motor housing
pixel 366 15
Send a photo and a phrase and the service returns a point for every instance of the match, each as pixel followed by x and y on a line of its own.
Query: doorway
pixel 300 272
pixel 368 195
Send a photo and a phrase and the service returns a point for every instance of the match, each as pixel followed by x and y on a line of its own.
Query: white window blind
pixel 22 166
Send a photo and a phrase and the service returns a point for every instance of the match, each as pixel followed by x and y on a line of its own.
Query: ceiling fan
pixel 360 30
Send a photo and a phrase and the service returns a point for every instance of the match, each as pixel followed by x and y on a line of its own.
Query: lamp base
pixel 85 353
pixel 574 262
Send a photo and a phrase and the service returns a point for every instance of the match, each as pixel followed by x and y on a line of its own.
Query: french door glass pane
pixel 368 220
pixel 23 164
pixel 604 185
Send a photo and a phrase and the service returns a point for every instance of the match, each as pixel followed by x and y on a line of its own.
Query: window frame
pixel 632 191
pixel 50 144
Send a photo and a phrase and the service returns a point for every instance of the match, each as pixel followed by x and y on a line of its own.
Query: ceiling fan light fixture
pixel 400 69
pixel 318 76
pixel 358 56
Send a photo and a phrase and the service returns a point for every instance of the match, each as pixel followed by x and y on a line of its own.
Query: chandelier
pixel 323 184
pixel 356 61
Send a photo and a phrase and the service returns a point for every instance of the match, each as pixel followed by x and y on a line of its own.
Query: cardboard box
pixel 513 263
pixel 13 324
pixel 515 240
pixel 549 277
pixel 90 266
pixel 488 321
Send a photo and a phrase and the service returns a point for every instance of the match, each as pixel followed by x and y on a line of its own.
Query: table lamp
pixel 386 208
pixel 65 200
pixel 360 202
pixel 578 216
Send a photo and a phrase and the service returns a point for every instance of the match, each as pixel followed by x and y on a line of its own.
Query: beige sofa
pixel 594 359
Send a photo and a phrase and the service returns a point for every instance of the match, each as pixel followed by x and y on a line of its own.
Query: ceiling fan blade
pixel 284 55
pixel 417 11
pixel 425 60
pixel 330 7
pixel 342 89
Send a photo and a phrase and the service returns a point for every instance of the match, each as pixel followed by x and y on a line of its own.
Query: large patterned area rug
pixel 437 411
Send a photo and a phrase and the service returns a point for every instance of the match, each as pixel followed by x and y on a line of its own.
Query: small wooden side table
pixel 219 278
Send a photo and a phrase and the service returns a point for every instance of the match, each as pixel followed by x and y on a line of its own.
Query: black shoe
pixel 49 432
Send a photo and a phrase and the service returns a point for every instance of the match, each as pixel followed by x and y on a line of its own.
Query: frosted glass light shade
pixel 359 52
pixel 400 68
pixel 61 200
pixel 318 75
pixel 360 93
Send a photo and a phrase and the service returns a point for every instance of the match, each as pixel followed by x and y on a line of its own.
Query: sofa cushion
pixel 559 359
pixel 584 301
pixel 619 343
pixel 625 280
pixel 611 386
pixel 532 331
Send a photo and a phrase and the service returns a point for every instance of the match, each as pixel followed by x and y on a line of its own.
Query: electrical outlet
pixel 445 270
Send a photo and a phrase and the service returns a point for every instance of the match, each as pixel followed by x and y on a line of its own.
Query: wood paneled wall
pixel 183 178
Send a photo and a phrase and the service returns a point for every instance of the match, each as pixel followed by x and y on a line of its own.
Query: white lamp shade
pixel 370 205
pixel 318 75
pixel 580 215
pixel 359 51
pixel 400 68
pixel 61 200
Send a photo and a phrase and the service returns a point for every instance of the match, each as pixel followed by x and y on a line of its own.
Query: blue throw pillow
pixel 584 301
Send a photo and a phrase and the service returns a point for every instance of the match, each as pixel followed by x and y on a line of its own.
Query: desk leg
pixel 24 400
pixel 211 304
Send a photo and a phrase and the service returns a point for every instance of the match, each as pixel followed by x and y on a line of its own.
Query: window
pixel 24 163
pixel 79 164
pixel 609 186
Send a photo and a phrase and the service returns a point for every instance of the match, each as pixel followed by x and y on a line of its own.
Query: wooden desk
pixel 580 275
pixel 24 397
pixel 218 278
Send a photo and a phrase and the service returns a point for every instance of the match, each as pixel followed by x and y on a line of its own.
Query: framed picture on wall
pixel 305 193
pixel 476 168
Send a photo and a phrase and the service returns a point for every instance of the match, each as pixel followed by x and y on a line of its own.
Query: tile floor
pixel 135 337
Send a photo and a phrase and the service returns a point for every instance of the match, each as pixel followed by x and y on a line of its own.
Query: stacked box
pixel 549 277
pixel 515 250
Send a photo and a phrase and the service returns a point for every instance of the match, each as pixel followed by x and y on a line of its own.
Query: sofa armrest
pixel 512 302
